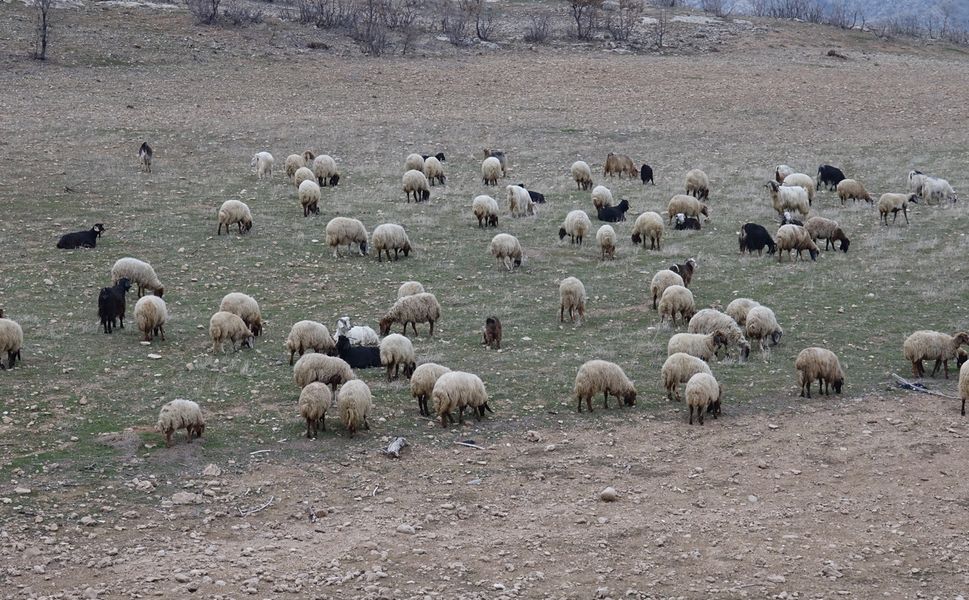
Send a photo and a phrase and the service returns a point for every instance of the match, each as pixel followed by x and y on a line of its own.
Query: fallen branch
pixel 246 513
pixel 918 387
pixel 470 445
pixel 258 452
pixel 396 445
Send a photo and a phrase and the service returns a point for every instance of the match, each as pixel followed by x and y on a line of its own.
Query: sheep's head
pixel 690 262
pixel 814 253
pixel 704 210
pixel 962 338
pixel 248 341
pixel 406 249
pixel 308 156
pixel 409 367
pixel 772 186
pixel 363 248
pixel 629 398
pixel 720 340
pixel 256 327
pixel 637 238
pixel 246 225
pixel 425 195
pixel 961 355
pixel 343 343
pixel 775 337
pixel 334 180
pixel 254 160
pixel 914 199
pixel 837 384
pixel 744 351
pixel 844 242
pixel 562 233
pixel 493 220
pixel 440 157
pixel 159 292
pixel 125 284
pixel 98 228
pixel 518 261
pixel 385 324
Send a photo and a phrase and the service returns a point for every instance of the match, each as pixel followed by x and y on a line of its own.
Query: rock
pixel 608 495
pixel 185 498
pixel 752 498
pixel 22 491
pixel 88 521
pixel 776 578
pixel 532 436
pixel 211 470
pixel 405 528
pixel 154 356
pixel 182 578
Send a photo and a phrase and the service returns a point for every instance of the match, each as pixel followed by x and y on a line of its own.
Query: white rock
pixel 405 528
pixel 608 495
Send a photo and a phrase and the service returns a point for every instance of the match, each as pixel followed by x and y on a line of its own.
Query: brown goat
pixel 685 271
pixel 619 164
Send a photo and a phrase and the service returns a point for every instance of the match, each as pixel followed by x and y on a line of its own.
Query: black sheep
pixel 439 156
pixel 685 222
pixel 613 214
pixel 646 174
pixel 755 237
pixel 358 357
pixel 81 239
pixel 829 176
pixel 111 304
pixel 535 196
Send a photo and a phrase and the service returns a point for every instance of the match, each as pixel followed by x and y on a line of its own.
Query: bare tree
pixel 539 29
pixel 661 27
pixel 206 12
pixel 623 20
pixel 43 27
pixel 586 16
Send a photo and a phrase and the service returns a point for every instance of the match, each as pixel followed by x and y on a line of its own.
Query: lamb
pixel 490 171
pixel 313 402
pixel 359 335
pixel 738 309
pixel 303 174
pixel 703 394
pixel 606 236
pixel 500 155
pixel 892 203
pixel 344 230
pixel 519 201
pixel 762 327
pixel 576 225
pixel 820 228
pixel 794 237
pixel 262 162
pixel 788 198
pixel 294 162
pixel 685 270
pixel 697 184
pixel 818 364
pixel 485 208
pixel 390 236
pixel 937 190
pixel 932 345
pixel 677 299
pixel 964 385
pixel 422 384
pixel 701 345
pixel 506 250
pixel 180 414
pixel 81 239
pixel 434 170
pixel 679 368
pixel 613 214
pixel 537 198
pixel 414 162
pixel 601 197
pixel 416 183
pixel 138 272
pixel 662 280
pixel 234 212
pixel 459 390
pixel 309 197
pixel 829 177
pixel 397 352
pixel 849 188
pixel 419 308
pixel 597 376
pixel 619 164
pixel 803 181
pixel 582 175
pixel 491 332
pixel 648 225
pixel 246 307
pixel 409 288
pixel 755 237
pixel 145 154
pixel 646 174
pixel 354 403
pixel 111 304
pixel 358 357
pixel 151 315
pixel 688 205
pixel 782 171
pixel 329 370
pixel 224 325
pixel 572 298
pixel 709 320
pixel 324 168
pixel 11 341
pixel 684 222
pixel 309 335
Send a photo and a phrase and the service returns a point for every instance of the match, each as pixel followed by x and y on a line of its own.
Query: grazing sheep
pixel 354 402
pixel 358 357
pixel 359 335
pixel 319 367
pixel 646 174
pixel 788 198
pixel 662 280
pixel 491 332
pixel 416 183
pixel 738 309
pixel 685 270
pixel 795 237
pixel 81 239
pixel 576 225
pixel 507 251
pixel 601 197
pixel 619 164
pixel 414 162
pixel 849 188
pixel 709 320
pixel 536 197
pixel 419 308
pixel 964 385
pixel 295 162
pixel 11 341
pixel 755 237
pixel 597 376
pixel 520 201
pixel 788 219
pixel 344 230
pixel 648 225
pixel 397 352
pixel 582 175
pixel 688 205
pixel 697 184
pixel 409 288
pixel 490 171
pixel 180 414
pixel 459 390
pixel 422 384
pixel 937 190
pixel 782 171
pixel 434 170
pixel 803 181
pixel 701 345
pixel 313 402
pixel 703 394
pixel 684 222
pixel 679 368
pixel 818 364
pixel 151 315
pixel 820 228
pixel 676 299
pixel 225 325
pixel 303 174
pixel 829 177
pixel 246 307
pixel 145 154
pixel 500 155
pixel 613 214
pixel 262 162
pixel 309 197
pixel 309 335
pixel 606 236
pixel 138 272
pixel 932 345
pixel 571 297
pixel 324 168
pixel 485 208
pixel 389 237
pixel 762 327
pixel 234 212
pixel 111 304
pixel 892 203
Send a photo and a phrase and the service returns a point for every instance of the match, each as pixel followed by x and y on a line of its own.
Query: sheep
pixel 701 345
pixel 932 345
pixel 81 239
pixel 491 332
pixel 915 181
pixel 849 188
pixel 344 230
pixel 485 208
pixel 788 198
pixel 11 341
pixel 576 225
pixel 613 214
pixel 964 385
pixel 234 212
pixel 519 201
pixel 685 271
pixel 782 171
pixel 935 189
pixel 409 288
pixel 788 219
pixel 738 309
pixel 662 280
pixel 606 236
pixel 314 399
pixel 762 327
pixel 354 403
pixel 676 299
pixel 536 197
pixel 506 250
pixel 490 171
pixel 892 203
pixel 679 368
pixel 688 205
pixel 151 315
pixel 502 159
pixel 390 236
pixel 303 174
pixel 138 272
pixel 111 304
pixel 419 308
pixel 145 154
pixel 358 357
pixel 829 177
pixel 818 364
pixel 572 297
pixel 703 394
pixel 309 197
pixel 180 414
pixel 648 225
pixel 434 170
pixel 422 384
pixel 309 335
pixel 646 174
pixel 397 352
pixel 596 376
pixel 224 325
pixel 359 335
pixel 416 183
pixel 697 184
pixel 324 168
pixel 246 307
pixel 459 390
pixel 330 370
pixel 709 320
pixel 684 222
pixel 803 181
pixel 414 162
pixel 755 237
pixel 827 230
pixel 601 197
pixel 582 175
pixel 795 237
pixel 295 162
pixel 262 162
pixel 619 164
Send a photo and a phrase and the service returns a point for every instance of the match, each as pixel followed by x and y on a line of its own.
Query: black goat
pixel 144 154
pixel 646 174
pixel 358 357
pixel 685 271
pixel 613 214
pixel 439 156
pixel 111 304
pixel 81 239
pixel 535 196
pixel 755 237
pixel 685 222
pixel 829 176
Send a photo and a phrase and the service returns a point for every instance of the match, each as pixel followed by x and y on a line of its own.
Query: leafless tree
pixel 43 27
pixel 585 13
pixel 623 20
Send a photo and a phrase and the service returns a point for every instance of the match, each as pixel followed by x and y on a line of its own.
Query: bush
pixel 539 29
pixel 206 12
pixel 585 13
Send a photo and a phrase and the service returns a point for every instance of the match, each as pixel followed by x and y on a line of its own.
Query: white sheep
pixel 703 394
pixel 390 236
pixel 601 197
pixel 490 171
pixel 648 225
pixel 419 308
pixel 782 171
pixel 915 181
pixel 788 198
pixel 485 208
pixel 697 184
pixel 709 320
pixel 964 385
pixel 422 384
pixel 662 280
pixel 762 327
pixel 344 230
pixel 139 272
pixel 507 251
pixel 687 205
pixel 180 414
pixel 606 236
pixel 416 183
pixel 246 307
pixel 314 399
pixel 701 345
pixel 892 203
pixel 576 226
pixel 572 297
pixel 582 175
pixel 359 335
pixel 937 190
pixel 330 370
pixel 234 212
pixel 795 237
pixel 850 188
pixel 676 299
pixel 308 335
pixel 738 309
pixel 324 168
pixel 151 315
pixel 520 201
pixel 303 174
pixel 262 162
pixel 434 170
pixel 397 352
pixel 818 364
pixel 933 345
pixel 597 376
pixel 679 368
pixel 409 288
pixel 354 402
pixel 309 197
pixel 459 390
pixel 225 325
pixel 414 162
pixel 502 159
pixel 803 181
pixel 11 341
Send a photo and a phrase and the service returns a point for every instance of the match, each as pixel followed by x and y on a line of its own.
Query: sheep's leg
pixel 561 313
pixel 161 330
pixel 945 365
pixel 691 414
pixel 461 415
pixel 579 407
pixel 605 399
pixel 388 371
pixel 588 402
pixel 431 333
pixel 935 368
pixel 309 428
pixel 905 212
pixel 366 424
pixel 700 414
pixel 168 438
